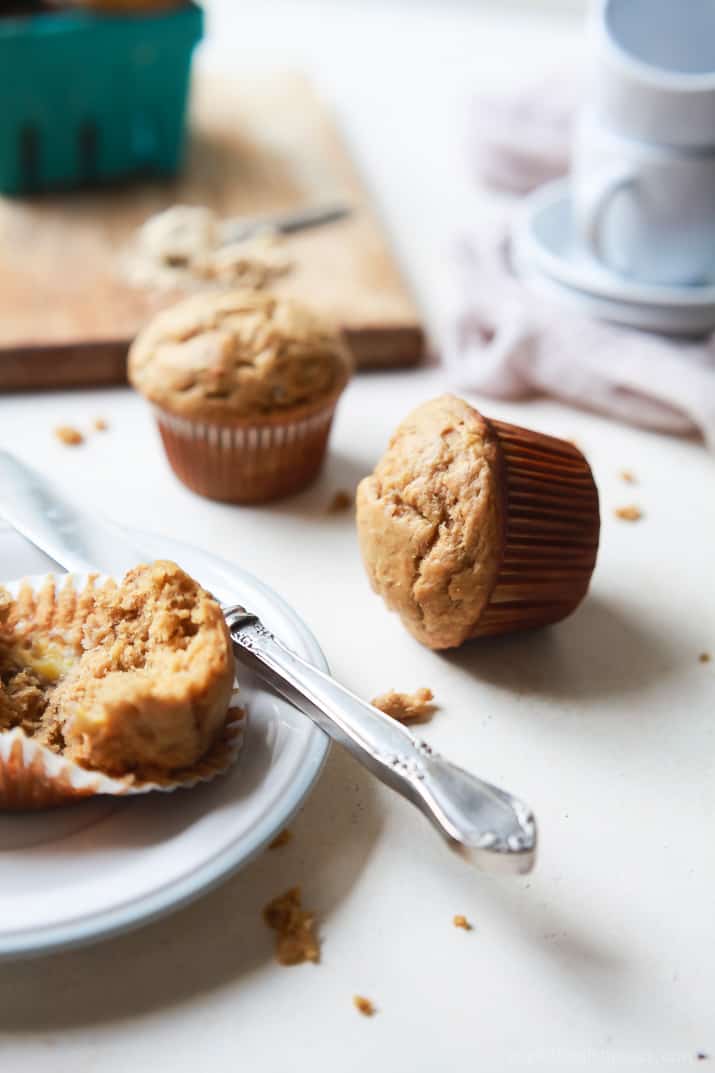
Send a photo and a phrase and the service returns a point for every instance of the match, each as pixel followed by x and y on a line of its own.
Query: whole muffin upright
pixel 470 527
pixel 244 386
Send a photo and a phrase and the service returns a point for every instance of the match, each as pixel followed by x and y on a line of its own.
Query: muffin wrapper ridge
pixel 34 777
pixel 248 461
pixel 551 523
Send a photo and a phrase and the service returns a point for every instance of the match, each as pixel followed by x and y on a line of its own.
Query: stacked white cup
pixel 643 164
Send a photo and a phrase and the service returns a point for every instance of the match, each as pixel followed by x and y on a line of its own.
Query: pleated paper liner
pixel 550 531
pixel 249 461
pixel 35 777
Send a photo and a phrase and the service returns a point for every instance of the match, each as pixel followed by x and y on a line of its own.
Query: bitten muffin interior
pixel 129 678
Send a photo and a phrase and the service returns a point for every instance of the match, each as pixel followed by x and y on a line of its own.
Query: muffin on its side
pixel 244 387
pixel 470 527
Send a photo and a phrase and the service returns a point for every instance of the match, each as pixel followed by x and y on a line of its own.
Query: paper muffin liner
pixel 248 461
pixel 550 530
pixel 34 777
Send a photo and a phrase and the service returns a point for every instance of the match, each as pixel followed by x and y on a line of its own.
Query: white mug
pixel 654 70
pixel 644 211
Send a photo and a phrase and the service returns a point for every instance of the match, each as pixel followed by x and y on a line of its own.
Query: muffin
pixel 470 527
pixel 244 386
pixel 132 680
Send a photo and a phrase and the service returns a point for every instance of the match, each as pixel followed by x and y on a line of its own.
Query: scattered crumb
pixel 281 839
pixel 406 707
pixel 364 1005
pixel 628 476
pixel 461 921
pixel 629 514
pixel 100 425
pixel 296 941
pixel 68 435
pixel 341 501
pixel 704 657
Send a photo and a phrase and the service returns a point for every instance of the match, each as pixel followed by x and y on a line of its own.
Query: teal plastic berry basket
pixel 89 98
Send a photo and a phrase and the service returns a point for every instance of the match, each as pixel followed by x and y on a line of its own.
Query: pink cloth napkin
pixel 509 343
pixel 520 140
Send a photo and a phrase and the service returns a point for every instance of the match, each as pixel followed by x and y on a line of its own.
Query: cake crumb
pixel 628 476
pixel 281 839
pixel 68 435
pixel 460 921
pixel 100 424
pixel 341 501
pixel 629 514
pixel 364 1005
pixel 296 941
pixel 414 707
pixel 704 657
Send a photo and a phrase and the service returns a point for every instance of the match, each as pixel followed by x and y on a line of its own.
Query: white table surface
pixel 602 959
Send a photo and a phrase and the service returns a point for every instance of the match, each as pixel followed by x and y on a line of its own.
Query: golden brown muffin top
pixel 429 521
pixel 237 355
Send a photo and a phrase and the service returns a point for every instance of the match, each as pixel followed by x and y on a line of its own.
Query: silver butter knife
pixel 484 824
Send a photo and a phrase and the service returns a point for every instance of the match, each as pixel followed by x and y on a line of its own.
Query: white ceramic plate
pixel 666 320
pixel 111 864
pixel 545 249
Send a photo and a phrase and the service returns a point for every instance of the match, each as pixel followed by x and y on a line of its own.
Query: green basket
pixel 89 99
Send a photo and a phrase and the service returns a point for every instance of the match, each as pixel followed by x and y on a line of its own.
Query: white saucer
pixel 111 865
pixel 547 255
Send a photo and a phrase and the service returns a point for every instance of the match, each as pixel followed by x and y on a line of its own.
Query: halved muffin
pixel 129 678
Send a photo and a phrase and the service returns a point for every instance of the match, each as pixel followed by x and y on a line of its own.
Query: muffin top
pixel 429 521
pixel 240 354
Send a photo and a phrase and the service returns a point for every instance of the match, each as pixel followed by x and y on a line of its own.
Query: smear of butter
pixel 48 659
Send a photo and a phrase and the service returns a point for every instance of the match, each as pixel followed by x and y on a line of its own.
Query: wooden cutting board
pixel 67 312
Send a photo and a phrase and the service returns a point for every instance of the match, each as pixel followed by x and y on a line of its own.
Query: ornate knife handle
pixel 484 824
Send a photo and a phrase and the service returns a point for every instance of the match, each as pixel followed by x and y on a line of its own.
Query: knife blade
pixel 76 538
pixel 286 223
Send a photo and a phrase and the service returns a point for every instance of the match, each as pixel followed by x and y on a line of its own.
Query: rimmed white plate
pixel 547 254
pixel 77 874
pixel 667 320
